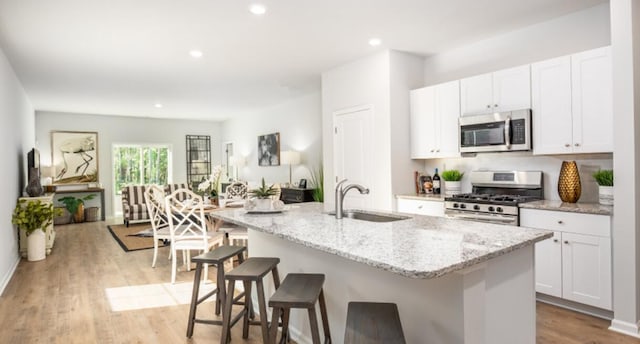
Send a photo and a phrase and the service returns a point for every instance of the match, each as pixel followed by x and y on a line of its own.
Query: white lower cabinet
pixel 420 207
pixel 575 264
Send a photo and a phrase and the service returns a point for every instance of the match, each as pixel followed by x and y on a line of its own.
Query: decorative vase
pixel 569 187
pixel 452 188
pixel 263 204
pixel 605 195
pixel 36 246
pixel 78 217
pixel 34 188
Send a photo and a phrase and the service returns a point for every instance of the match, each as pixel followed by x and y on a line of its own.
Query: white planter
pixel 605 195
pixel 452 188
pixel 263 203
pixel 36 246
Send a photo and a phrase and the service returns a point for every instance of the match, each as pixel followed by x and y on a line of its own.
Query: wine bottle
pixel 436 183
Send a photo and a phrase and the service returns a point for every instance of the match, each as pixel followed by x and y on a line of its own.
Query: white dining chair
pixel 154 198
pixel 188 229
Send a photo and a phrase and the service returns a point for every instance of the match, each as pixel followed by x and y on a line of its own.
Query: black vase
pixel 34 188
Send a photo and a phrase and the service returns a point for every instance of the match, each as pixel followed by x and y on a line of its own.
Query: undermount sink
pixel 360 215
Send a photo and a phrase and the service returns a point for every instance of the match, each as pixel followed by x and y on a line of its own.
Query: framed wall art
pixel 74 155
pixel 269 150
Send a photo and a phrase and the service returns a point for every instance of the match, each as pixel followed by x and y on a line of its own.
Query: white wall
pixel 583 30
pixel 119 129
pixel 299 123
pixel 17 137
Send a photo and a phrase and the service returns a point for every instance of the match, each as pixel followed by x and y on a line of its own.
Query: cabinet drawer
pixel 419 207
pixel 590 224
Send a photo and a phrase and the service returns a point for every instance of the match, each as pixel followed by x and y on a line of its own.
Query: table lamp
pixel 290 158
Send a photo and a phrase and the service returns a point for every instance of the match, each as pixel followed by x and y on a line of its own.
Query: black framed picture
pixel 302 184
pixel 269 150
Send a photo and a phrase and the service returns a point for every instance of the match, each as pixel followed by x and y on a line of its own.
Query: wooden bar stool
pixel 252 270
pixel 216 257
pixel 373 323
pixel 300 291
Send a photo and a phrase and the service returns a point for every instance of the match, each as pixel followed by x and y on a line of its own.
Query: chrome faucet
pixel 342 191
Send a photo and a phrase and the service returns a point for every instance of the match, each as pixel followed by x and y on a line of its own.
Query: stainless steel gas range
pixel 495 196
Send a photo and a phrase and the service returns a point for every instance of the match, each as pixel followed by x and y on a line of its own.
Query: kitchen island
pixel 454 281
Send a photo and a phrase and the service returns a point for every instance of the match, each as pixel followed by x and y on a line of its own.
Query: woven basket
pixel 91 214
pixel 63 219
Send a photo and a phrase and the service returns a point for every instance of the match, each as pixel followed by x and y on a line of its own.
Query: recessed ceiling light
pixel 257 9
pixel 158 105
pixel 195 54
pixel 374 42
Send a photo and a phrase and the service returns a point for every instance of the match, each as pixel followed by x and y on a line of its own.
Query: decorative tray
pixel 269 211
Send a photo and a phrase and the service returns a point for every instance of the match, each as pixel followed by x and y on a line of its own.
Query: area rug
pixel 134 237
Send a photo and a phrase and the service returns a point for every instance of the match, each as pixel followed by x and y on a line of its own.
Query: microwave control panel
pixel 518 130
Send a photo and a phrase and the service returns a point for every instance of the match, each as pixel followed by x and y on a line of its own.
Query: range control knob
pixel 499 209
pixel 455 205
pixel 463 206
pixel 476 207
pixel 491 209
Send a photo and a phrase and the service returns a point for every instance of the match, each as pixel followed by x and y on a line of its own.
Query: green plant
pixel 32 215
pixel 452 175
pixel 72 203
pixel 604 177
pixel 264 191
pixel 317 179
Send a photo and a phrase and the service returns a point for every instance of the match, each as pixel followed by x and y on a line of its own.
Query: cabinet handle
pixel 419 207
pixel 495 105
pixel 560 222
pixel 577 145
pixel 567 145
pixel 555 240
pixel 488 106
pixel 431 151
pixel 437 150
pixel 566 242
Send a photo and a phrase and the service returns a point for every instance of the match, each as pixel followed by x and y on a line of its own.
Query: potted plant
pixel 263 194
pixel 604 178
pixel 75 206
pixel 317 179
pixel 452 185
pixel 34 217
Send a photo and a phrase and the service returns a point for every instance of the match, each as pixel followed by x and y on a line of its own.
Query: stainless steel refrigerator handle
pixel 507 132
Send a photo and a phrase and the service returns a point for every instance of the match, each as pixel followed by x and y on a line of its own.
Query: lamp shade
pixel 290 158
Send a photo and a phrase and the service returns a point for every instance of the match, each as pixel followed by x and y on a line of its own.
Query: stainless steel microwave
pixel 496 132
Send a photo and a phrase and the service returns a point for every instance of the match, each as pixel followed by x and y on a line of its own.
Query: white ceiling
pixel 121 57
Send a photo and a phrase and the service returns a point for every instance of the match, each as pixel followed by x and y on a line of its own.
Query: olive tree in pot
pixel 75 206
pixel 263 196
pixel 34 217
pixel 452 184
pixel 604 178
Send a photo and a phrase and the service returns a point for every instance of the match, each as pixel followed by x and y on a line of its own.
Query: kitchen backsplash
pixel 525 161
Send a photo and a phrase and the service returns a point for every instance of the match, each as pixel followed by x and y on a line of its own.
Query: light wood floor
pixel 62 300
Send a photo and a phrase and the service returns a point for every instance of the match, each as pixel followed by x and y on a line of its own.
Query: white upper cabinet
pixel 504 90
pixel 572 106
pixel 434 121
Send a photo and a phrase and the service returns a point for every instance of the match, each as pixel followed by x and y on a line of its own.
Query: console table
pixel 296 195
pixel 99 191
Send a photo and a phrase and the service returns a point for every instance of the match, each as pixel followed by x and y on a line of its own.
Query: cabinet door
pixel 549 266
pixel 551 100
pixel 420 207
pixel 592 101
pixel 586 269
pixel 476 94
pixel 422 122
pixel 448 113
pixel 512 89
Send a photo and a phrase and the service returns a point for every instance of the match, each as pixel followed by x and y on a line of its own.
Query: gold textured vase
pixel 569 187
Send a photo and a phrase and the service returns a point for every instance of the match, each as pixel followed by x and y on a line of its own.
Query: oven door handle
pixel 480 217
pixel 507 132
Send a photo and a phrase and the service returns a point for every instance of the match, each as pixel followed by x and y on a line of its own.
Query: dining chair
pixel 188 229
pixel 154 198
pixel 236 191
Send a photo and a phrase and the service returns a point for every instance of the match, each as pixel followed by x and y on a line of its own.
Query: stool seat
pixel 373 323
pixel 253 269
pixel 300 291
pixel 219 255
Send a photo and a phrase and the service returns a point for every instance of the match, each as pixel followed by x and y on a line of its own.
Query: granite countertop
pixel 423 197
pixel 584 208
pixel 417 247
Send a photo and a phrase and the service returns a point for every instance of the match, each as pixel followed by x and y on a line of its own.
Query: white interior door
pixel 353 147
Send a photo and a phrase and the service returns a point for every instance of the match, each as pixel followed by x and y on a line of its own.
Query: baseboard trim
pixel 7 277
pixel 575 306
pixel 630 329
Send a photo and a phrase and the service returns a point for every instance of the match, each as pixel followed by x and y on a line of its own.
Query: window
pixel 141 164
